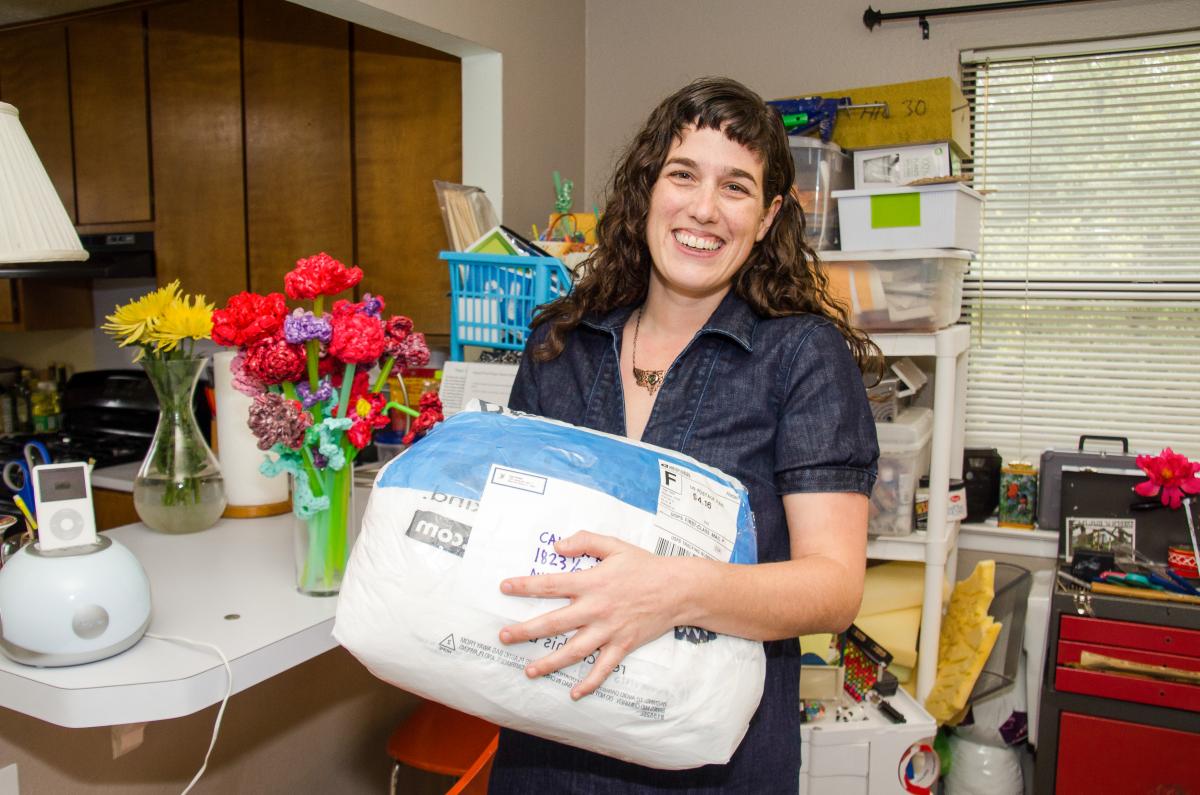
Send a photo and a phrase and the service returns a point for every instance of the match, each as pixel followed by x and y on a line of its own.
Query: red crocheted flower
pixel 1171 474
pixel 367 413
pixel 431 414
pixel 275 361
pixel 320 274
pixel 248 318
pixel 357 338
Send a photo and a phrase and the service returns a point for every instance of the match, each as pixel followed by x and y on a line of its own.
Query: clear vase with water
pixel 179 488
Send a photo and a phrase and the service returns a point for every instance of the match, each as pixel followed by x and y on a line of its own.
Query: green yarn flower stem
pixel 347 383
pixel 383 374
pixel 313 355
pixel 328 535
pixel 318 489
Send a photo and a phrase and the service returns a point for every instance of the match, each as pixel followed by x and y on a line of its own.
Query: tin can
pixel 956 503
pixel 1018 496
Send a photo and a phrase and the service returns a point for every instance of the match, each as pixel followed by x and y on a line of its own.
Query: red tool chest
pixel 1113 732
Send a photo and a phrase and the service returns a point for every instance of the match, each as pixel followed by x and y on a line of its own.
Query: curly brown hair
pixel 780 277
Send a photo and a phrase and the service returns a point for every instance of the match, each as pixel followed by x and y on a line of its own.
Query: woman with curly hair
pixel 702 324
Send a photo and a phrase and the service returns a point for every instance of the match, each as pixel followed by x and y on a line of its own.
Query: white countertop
pixel 117 478
pixel 239 567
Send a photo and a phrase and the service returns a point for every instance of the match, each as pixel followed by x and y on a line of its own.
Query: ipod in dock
pixel 65 515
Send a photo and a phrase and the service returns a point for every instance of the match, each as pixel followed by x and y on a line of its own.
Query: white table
pixel 198 582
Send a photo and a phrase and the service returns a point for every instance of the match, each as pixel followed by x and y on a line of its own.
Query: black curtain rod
pixel 872 18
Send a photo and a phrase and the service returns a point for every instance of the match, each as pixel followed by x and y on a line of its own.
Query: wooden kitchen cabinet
pixel 33 78
pixel 407 133
pixel 113 508
pixel 296 73
pixel 194 58
pixel 107 57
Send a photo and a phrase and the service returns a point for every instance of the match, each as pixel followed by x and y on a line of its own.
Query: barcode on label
pixel 665 547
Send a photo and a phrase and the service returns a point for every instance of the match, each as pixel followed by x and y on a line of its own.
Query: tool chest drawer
pixel 1148 644
pixel 1140 758
pixel 1127 634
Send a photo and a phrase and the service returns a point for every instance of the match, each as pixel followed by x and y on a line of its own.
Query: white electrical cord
pixel 224 701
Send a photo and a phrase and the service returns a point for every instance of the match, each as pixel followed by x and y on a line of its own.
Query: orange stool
pixel 441 740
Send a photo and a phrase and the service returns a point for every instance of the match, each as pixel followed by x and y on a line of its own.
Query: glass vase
pixel 179 488
pixel 323 538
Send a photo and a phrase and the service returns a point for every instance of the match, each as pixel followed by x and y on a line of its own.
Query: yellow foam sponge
pixel 892 586
pixel 896 631
pixel 968 635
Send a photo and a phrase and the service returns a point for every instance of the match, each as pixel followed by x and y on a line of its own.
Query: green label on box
pixel 890 210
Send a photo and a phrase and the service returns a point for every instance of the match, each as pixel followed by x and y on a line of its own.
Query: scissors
pixel 18 475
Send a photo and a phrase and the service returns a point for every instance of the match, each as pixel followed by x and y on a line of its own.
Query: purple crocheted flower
pixel 372 305
pixel 276 420
pixel 242 380
pixel 308 398
pixel 302 326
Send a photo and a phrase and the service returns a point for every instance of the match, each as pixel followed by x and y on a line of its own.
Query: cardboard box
pixel 902 165
pixel 923 111
pixel 919 216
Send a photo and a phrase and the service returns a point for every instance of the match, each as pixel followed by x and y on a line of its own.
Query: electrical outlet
pixel 127 737
pixel 9 785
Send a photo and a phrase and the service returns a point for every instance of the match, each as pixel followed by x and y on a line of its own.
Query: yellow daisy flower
pixel 133 323
pixel 184 318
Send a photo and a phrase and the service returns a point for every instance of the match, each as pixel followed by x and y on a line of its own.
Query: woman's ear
pixel 768 218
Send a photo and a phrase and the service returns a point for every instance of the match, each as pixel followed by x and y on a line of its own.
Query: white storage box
pixel 925 216
pixel 869 755
pixel 821 168
pixel 903 460
pixel 900 165
pixel 910 290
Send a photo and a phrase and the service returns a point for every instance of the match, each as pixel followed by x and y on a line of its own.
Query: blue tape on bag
pixel 455 457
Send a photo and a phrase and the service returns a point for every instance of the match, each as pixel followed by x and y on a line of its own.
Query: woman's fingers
pixel 609 658
pixel 576 649
pixel 541 585
pixel 547 625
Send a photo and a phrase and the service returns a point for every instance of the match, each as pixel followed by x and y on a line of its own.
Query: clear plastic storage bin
pixel 821 168
pixel 903 461
pixel 916 216
pixel 910 290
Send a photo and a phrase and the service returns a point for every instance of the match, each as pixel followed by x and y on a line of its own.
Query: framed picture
pixel 1102 534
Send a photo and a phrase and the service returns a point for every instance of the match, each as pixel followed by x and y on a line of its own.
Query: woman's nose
pixel 704 203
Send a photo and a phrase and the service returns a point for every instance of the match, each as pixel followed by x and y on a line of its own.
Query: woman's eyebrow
pixel 737 173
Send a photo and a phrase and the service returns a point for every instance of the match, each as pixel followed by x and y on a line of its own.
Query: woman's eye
pixel 684 175
pixel 738 188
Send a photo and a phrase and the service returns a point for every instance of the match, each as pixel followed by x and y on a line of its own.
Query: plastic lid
pixel 911 428
pixel 809 142
pixel 935 188
pixel 888 254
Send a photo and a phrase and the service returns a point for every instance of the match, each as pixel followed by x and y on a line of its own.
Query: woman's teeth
pixel 699 243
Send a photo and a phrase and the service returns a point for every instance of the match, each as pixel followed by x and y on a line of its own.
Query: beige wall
pixel 639 51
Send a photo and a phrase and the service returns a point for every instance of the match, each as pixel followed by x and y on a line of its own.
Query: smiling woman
pixel 701 324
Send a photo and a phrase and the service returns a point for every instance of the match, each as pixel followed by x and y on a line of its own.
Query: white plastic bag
pixel 483 497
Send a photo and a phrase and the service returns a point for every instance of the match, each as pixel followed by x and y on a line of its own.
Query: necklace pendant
pixel 650 380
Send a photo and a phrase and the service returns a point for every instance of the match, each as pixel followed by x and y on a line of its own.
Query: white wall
pixel 638 51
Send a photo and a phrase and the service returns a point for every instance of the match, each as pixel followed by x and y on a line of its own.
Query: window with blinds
pixel 1084 302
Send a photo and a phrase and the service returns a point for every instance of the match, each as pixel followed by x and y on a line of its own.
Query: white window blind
pixel 1084 303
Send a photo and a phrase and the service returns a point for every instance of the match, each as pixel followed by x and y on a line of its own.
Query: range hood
pixel 122 255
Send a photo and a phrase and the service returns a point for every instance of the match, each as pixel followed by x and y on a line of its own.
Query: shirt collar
pixel 733 318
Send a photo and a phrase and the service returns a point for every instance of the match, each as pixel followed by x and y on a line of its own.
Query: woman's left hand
pixel 624 602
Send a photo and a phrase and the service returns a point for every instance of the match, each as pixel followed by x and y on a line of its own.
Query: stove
pixel 108 416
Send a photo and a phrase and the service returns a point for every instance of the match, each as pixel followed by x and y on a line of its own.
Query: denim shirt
pixel 777 403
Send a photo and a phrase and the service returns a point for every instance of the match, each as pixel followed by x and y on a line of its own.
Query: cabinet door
pixel 194 56
pixel 1103 755
pixel 33 78
pixel 407 133
pixel 298 167
pixel 108 105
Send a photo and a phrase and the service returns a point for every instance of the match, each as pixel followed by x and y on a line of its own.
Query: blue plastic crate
pixel 493 297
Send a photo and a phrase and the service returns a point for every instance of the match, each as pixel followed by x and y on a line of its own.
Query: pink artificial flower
pixel 1171 474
